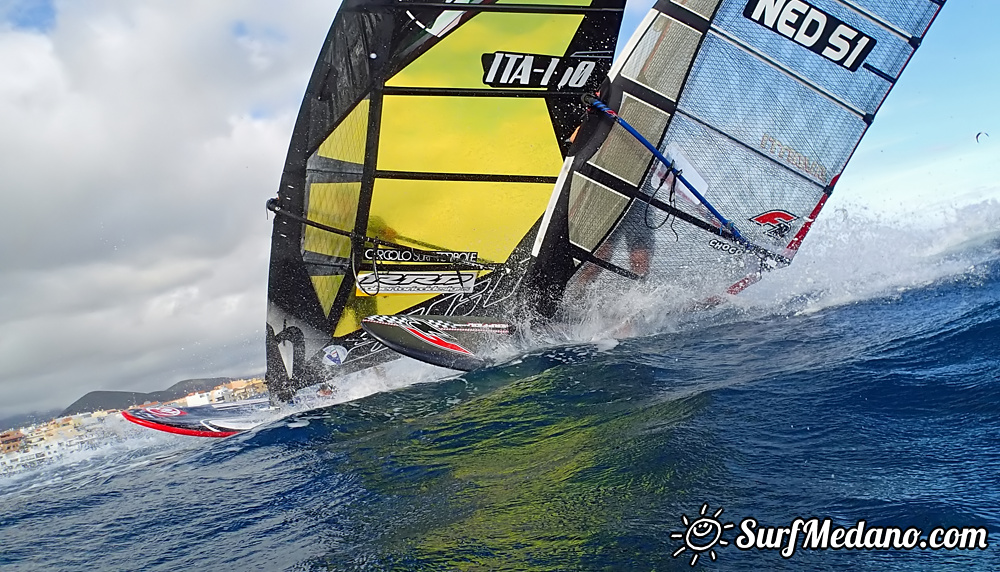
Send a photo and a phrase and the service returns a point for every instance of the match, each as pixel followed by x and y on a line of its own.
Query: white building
pixel 221 394
pixel 198 399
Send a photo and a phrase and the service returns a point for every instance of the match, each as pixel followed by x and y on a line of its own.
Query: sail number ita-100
pixel 814 29
pixel 505 69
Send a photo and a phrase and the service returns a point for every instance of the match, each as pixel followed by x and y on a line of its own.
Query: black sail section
pixel 759 104
pixel 420 165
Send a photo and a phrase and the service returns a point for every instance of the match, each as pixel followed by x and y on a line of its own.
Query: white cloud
pixel 139 143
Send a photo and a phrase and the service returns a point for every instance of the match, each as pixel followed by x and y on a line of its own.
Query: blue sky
pixel 922 147
pixel 35 15
pixel 141 139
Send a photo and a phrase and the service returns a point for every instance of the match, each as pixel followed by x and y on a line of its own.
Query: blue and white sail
pixel 759 104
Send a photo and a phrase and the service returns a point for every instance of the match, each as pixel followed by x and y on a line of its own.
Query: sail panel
pixel 740 182
pixel 593 210
pixel 327 287
pixel 456 61
pixel 704 8
pixel 862 89
pixel 347 142
pixel 335 205
pixel 332 204
pixel 487 218
pixel 910 17
pixel 661 59
pixel 685 256
pixel 623 155
pixel 769 111
pixel 474 135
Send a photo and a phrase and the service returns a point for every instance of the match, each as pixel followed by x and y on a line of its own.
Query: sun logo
pixel 702 534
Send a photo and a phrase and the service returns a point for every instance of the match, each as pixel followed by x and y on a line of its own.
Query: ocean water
pixel 862 383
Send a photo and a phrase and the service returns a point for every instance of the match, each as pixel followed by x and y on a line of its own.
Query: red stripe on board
pixel 438 341
pixel 176 430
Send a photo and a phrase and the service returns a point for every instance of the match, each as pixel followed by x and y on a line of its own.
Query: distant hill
pixel 125 399
pixel 26 419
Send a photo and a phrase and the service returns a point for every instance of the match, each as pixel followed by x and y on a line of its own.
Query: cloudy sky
pixel 139 141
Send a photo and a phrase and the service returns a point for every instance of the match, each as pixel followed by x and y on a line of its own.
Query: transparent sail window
pixel 593 209
pixel 662 57
pixel 623 155
pixel 703 7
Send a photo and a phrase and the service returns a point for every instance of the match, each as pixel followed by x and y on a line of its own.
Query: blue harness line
pixel 726 223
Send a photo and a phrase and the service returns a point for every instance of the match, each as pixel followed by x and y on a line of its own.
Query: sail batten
pixel 516 8
pixel 482 177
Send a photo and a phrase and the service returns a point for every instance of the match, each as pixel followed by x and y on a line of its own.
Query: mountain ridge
pixel 108 399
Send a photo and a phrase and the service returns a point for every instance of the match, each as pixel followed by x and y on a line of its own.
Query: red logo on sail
pixel 777 223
